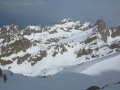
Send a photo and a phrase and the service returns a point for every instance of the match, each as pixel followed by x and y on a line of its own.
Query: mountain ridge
pixel 49 47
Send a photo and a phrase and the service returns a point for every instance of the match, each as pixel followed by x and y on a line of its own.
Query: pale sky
pixel 46 12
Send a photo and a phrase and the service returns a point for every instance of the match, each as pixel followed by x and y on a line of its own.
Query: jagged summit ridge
pixel 67 20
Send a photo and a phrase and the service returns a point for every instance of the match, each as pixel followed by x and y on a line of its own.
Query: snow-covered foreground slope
pixel 99 72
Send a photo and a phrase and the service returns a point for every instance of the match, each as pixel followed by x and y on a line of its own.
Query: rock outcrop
pixel 115 31
pixel 93 88
pixel 103 29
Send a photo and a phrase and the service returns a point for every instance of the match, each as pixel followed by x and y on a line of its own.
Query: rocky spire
pixel 102 29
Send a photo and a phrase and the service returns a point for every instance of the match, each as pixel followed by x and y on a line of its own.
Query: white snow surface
pixel 31 27
pixel 81 36
pixel 98 72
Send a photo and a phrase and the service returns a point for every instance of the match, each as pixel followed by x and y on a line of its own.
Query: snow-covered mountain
pixel 44 51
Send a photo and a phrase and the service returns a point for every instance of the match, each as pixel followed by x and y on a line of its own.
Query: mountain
pixel 45 51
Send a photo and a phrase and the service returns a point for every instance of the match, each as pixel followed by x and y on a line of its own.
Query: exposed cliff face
pixel 58 44
pixel 115 31
pixel 103 29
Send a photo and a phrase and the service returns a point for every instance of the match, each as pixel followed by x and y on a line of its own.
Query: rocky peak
pixel 102 29
pixel 101 24
pixel 64 21
pixel 67 20
pixel 32 29
pixel 9 28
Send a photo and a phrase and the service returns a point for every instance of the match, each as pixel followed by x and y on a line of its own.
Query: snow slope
pixel 99 72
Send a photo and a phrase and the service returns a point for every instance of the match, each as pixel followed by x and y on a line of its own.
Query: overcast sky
pixel 45 12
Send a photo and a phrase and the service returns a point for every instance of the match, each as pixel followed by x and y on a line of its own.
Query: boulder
pixel 93 88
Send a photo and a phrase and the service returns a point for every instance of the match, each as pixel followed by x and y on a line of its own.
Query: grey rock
pixel 115 31
pixel 93 88
pixel 103 29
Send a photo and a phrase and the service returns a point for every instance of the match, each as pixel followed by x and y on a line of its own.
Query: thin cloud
pixel 20 6
pixel 22 2
pixel 45 12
